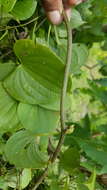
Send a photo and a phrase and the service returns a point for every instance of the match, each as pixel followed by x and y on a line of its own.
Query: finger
pixel 53 9
pixel 69 3
pixel 67 8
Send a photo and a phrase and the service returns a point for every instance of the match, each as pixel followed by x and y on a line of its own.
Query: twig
pixel 20 25
pixel 5 33
pixel 62 103
pixel 39 25
pixel 41 178
pixel 6 54
pixel 58 148
pixel 50 148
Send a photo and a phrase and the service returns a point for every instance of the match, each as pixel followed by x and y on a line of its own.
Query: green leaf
pixel 38 120
pixel 24 9
pixel 25 178
pixel 76 19
pixel 89 165
pixel 79 57
pixel 95 153
pixel 98 92
pixel 11 179
pixel 43 143
pixel 83 130
pixel 24 88
pixel 25 151
pixel 70 160
pixel 102 82
pixel 8 4
pixel 3 184
pixel 42 64
pixel 103 170
pixel 91 181
pixel 8 112
pixel 82 187
pixel 55 186
pixel 6 17
pixel 6 69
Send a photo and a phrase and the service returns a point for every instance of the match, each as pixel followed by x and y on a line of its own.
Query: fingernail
pixel 78 2
pixel 55 17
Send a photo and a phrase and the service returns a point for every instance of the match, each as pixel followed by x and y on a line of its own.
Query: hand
pixel 54 9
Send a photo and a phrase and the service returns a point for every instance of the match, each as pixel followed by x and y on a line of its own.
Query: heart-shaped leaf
pixel 24 9
pixel 8 4
pixel 76 19
pixel 6 69
pixel 8 112
pixel 24 152
pixel 42 64
pixel 37 119
pixel 79 58
pixel 25 178
pixel 24 88
pixel 70 160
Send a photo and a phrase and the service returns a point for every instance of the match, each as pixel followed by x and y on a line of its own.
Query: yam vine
pixel 53 89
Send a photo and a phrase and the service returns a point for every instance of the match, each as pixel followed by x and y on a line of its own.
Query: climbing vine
pixel 53 89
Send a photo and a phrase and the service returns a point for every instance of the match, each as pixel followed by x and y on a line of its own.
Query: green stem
pixel 5 33
pixel 62 103
pixel 56 36
pixel 33 32
pixel 49 31
pixel 66 74
pixel 17 26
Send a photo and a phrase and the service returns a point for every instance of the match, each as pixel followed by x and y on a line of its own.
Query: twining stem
pixel 66 74
pixel 22 25
pixel 41 178
pixel 64 89
pixel 62 102
pixel 58 148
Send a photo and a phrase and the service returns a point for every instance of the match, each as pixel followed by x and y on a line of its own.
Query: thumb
pixel 53 9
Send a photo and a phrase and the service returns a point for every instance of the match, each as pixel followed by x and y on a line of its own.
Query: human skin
pixel 53 9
